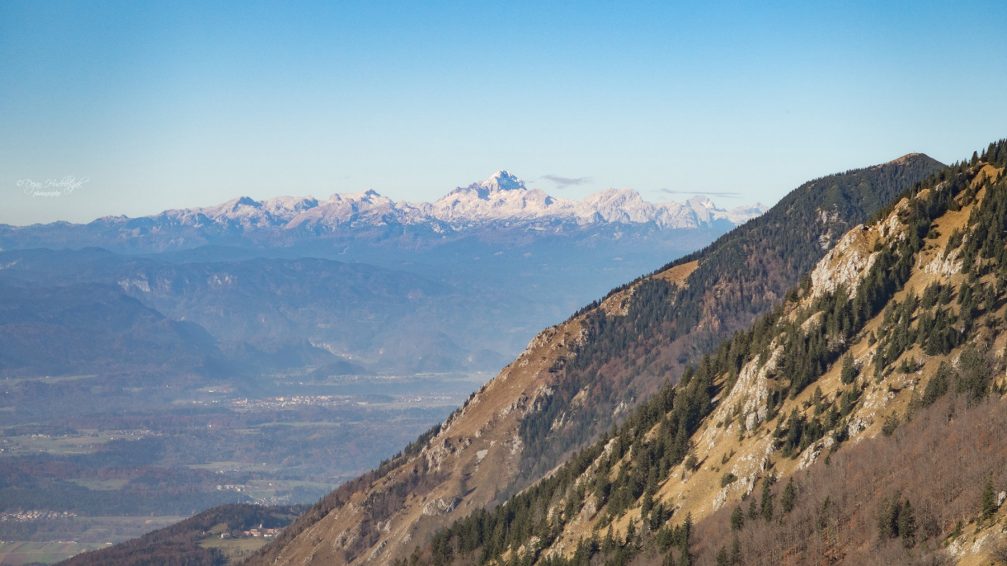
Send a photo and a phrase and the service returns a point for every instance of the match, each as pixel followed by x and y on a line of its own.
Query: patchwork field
pixel 75 476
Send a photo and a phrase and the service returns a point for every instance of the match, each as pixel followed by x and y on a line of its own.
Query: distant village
pixel 256 532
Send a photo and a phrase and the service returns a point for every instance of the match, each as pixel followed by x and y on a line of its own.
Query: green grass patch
pixel 17 553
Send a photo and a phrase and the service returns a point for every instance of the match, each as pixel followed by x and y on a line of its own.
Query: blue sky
pixel 161 105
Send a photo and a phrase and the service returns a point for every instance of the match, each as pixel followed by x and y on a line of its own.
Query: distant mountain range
pixel 270 311
pixel 500 198
pixel 501 202
pixel 358 280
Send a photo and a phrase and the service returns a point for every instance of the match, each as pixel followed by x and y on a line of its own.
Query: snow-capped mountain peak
pixel 700 202
pixel 502 181
pixel 502 198
pixel 235 206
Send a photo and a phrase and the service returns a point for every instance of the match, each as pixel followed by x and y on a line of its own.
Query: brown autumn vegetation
pixel 940 461
pixel 920 493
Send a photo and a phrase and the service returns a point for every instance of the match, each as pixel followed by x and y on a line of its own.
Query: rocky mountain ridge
pixel 894 344
pixel 502 197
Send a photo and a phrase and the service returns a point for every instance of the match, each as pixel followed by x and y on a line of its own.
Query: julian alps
pixel 500 203
pixel 460 284
pixel 500 199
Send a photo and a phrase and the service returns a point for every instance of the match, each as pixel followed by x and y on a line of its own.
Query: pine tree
pixel 848 372
pixel 989 502
pixel 907 524
pixel 686 541
pixel 888 518
pixel 789 497
pixel 723 558
pixel 647 505
pixel 938 384
pixel 737 519
pixel 736 558
pixel 631 534
pixel 608 543
pixel 767 499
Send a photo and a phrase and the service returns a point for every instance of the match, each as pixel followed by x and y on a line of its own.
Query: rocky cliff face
pixel 578 378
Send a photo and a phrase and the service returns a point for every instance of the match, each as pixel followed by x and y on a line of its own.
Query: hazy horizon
pixel 157 107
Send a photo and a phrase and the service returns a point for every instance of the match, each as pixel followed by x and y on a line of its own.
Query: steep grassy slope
pixel 768 441
pixel 579 377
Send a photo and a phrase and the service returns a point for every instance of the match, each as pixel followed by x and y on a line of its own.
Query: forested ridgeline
pixel 740 277
pixel 917 337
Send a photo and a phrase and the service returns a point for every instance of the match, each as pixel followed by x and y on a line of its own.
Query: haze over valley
pixel 157 366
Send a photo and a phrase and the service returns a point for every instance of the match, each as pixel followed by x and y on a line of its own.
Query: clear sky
pixel 155 105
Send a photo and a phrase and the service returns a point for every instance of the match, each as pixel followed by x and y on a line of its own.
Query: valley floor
pixel 78 476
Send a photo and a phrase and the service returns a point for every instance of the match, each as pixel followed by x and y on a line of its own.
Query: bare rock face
pixel 944 265
pixel 811 454
pixel 752 390
pixel 438 506
pixel 844 264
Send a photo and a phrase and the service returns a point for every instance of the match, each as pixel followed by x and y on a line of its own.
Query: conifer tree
pixel 907 524
pixel 723 558
pixel 789 497
pixel 736 557
pixel 848 371
pixel 766 508
pixel 737 519
pixel 989 502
